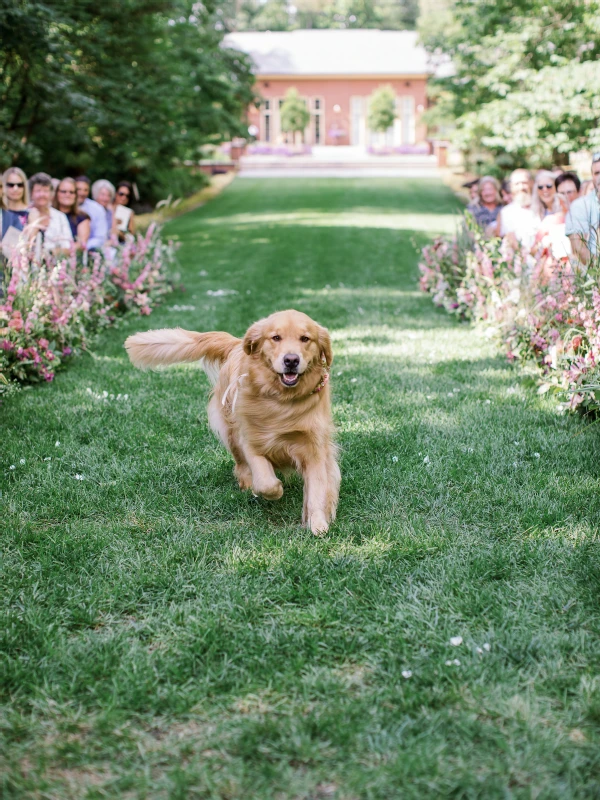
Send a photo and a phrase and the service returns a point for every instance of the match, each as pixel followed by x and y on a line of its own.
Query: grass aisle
pixel 165 636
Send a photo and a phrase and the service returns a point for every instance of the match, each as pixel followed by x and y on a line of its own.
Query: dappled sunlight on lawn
pixel 431 223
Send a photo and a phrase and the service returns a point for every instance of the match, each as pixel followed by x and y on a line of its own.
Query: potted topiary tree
pixel 294 115
pixel 382 109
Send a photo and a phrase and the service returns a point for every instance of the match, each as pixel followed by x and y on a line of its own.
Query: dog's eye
pixel 305 339
pixel 276 338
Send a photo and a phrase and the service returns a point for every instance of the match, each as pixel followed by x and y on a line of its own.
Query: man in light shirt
pixel 97 215
pixel 516 220
pixel 583 220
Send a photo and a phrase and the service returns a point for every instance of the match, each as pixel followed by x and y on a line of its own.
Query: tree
pixel 524 82
pixel 279 15
pixel 293 113
pixel 382 109
pixel 118 89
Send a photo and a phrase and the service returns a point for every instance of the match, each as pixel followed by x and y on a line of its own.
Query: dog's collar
pixel 324 380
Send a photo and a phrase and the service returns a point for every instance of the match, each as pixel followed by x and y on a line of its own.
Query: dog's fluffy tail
pixel 176 346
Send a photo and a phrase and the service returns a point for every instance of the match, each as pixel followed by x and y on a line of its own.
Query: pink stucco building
pixel 336 72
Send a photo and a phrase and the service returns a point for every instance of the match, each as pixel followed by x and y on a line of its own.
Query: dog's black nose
pixel 291 361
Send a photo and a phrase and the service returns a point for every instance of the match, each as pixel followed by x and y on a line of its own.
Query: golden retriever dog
pixel 270 404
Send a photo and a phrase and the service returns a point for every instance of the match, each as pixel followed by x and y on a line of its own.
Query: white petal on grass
pixel 12 466
pixel 21 461
pixel 339 373
pixel 479 650
pixel 79 477
pixel 453 662
pixel 353 380
pixel 395 459
pixel 48 458
pixel 536 455
pixel 57 444
pixel 455 641
pixel 487 647
pixel 407 673
pixel 426 460
pixel 488 402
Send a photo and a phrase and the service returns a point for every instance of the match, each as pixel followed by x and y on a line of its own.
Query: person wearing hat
pixel 583 220
pixel 473 187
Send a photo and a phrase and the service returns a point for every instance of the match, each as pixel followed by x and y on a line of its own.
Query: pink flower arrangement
pixel 49 310
pixel 546 311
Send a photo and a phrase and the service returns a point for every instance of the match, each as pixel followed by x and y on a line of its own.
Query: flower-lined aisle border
pixel 545 311
pixel 48 310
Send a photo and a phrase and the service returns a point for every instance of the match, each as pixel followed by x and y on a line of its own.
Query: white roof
pixel 332 52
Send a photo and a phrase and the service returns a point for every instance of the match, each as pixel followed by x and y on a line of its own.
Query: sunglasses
pixel 122 194
pixel 546 186
pixel 15 185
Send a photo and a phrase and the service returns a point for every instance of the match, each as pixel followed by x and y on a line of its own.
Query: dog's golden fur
pixel 264 423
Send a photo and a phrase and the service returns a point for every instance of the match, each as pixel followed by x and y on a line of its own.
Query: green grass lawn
pixel 165 636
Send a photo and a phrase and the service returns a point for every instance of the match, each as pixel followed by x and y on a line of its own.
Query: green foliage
pixel 295 116
pixel 277 15
pixel 524 85
pixel 118 89
pixel 382 109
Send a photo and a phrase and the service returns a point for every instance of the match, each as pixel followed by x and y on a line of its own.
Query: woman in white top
pixel 49 226
pixel 103 192
pixel 124 218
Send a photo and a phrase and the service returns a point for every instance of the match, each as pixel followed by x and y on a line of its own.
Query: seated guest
pixel 583 219
pixel 516 220
pixel 124 218
pixel 568 186
pixel 16 193
pixel 505 192
pixel 49 226
pixel 103 193
pixel 65 200
pixel 98 227
pixel 545 200
pixel 488 207
pixel 473 187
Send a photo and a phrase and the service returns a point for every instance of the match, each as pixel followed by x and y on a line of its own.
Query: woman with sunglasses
pixel 65 200
pixel 123 215
pixel 16 193
pixel 549 209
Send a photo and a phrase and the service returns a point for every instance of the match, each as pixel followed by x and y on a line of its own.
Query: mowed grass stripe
pixel 164 635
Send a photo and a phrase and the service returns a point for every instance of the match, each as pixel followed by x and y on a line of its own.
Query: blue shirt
pixel 10 218
pixel 583 219
pixel 98 223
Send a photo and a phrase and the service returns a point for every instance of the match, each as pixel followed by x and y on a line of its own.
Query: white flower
pixel 426 460
pixel 125 397
pixel 89 391
pixel 407 673
pixel 488 402
pixel 79 477
pixel 536 455
pixel 105 394
pixel 339 373
pixel 455 641
pixel 516 444
pixel 22 461
pixel 430 397
pixel 479 650
pixel 454 662
pixel 395 459
pixel 12 466
pixel 353 380
pixel 57 444
pixel 487 647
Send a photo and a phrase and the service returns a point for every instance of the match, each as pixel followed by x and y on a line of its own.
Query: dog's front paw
pixel 270 492
pixel 318 524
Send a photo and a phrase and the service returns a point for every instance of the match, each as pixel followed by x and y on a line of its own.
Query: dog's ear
pixel 253 338
pixel 324 341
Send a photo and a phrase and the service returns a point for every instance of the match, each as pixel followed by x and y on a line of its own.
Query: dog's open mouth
pixel 289 378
